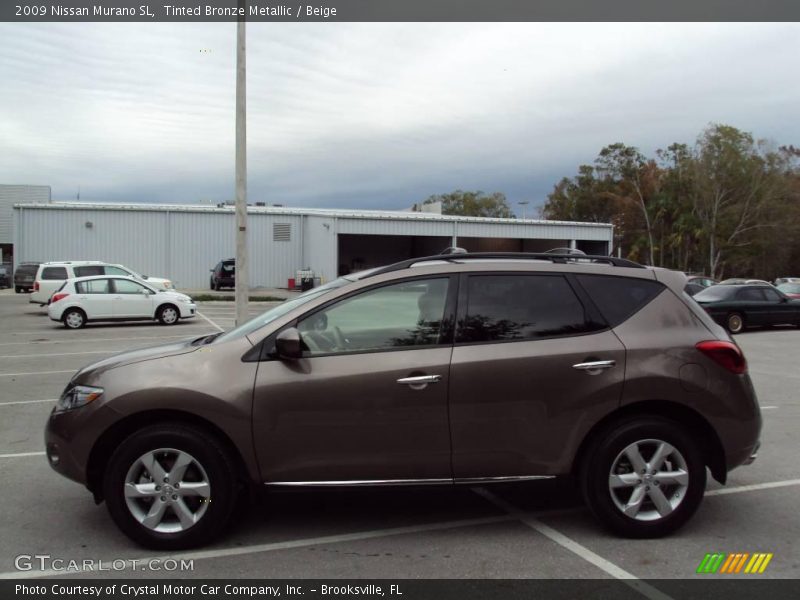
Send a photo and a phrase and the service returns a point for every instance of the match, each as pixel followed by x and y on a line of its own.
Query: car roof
pixel 72 262
pixel 90 277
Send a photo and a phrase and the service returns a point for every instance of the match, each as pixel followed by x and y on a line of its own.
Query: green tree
pixel 736 182
pixel 473 204
pixel 637 181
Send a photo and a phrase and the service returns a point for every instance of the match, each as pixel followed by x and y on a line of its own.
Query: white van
pixel 51 275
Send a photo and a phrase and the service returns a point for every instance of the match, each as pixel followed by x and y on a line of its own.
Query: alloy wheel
pixel 648 480
pixel 167 490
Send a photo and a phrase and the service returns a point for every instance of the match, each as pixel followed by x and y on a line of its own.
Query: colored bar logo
pixel 738 562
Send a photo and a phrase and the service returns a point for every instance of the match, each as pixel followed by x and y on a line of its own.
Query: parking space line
pixel 68 335
pixel 199 314
pixel 568 543
pixel 36 373
pixel 288 545
pixel 61 354
pixel 754 487
pixel 21 454
pixel 90 340
pixel 27 401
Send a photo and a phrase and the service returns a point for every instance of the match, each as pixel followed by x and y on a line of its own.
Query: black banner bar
pixel 711 588
pixel 147 11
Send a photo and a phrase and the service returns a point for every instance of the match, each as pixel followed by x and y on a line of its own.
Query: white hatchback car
pixel 51 275
pixel 101 298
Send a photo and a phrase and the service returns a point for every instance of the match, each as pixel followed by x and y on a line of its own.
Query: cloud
pixel 371 115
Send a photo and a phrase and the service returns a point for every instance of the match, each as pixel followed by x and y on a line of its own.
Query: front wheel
pixel 168 315
pixel 171 487
pixel 644 478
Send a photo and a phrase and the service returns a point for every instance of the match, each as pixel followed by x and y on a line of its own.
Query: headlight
pixel 77 396
pixel 185 299
pixel 168 285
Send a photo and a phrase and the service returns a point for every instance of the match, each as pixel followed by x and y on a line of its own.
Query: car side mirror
pixel 287 344
pixel 146 292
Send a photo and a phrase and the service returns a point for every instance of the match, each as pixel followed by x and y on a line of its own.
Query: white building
pixel 9 196
pixel 183 242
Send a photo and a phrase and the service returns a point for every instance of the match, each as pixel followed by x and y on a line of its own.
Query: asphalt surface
pixel 535 530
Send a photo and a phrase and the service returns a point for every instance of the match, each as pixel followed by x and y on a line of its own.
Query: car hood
pixel 174 295
pixel 126 358
pixel 159 282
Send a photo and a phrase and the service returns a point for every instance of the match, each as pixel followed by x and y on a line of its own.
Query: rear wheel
pixel 160 482
pixel 735 323
pixel 18 289
pixel 74 318
pixel 168 315
pixel 644 477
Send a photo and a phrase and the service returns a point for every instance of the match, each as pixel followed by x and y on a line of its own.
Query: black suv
pixel 24 276
pixel 224 274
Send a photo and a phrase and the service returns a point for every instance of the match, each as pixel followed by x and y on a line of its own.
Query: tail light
pixel 57 297
pixel 725 354
pixel 35 286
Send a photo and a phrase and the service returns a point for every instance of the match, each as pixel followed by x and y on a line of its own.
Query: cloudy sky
pixel 372 115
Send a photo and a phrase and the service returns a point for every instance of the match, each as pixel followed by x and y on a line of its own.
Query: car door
pixel 754 306
pixel 132 300
pixel 533 367
pixel 96 298
pixel 368 400
pixel 783 311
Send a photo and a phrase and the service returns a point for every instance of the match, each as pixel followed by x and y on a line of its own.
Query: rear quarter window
pixel 619 298
pixel 49 273
pixel 515 307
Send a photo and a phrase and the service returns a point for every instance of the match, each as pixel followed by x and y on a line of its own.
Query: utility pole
pixel 242 279
pixel 523 204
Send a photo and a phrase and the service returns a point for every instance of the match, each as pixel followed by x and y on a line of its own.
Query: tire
pixel 665 502
pixel 17 289
pixel 211 283
pixel 74 318
pixel 168 314
pixel 182 519
pixel 734 323
pixel 217 286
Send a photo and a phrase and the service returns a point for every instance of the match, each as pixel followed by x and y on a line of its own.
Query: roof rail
pixel 556 258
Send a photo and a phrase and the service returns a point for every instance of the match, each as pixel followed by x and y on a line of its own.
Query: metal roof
pixel 321 212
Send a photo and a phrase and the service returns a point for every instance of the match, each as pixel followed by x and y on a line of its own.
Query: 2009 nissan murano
pixel 451 369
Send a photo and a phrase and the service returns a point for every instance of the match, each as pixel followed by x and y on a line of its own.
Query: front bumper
pixel 188 310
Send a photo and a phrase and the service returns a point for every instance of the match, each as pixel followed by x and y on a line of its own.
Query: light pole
pixel 523 204
pixel 242 279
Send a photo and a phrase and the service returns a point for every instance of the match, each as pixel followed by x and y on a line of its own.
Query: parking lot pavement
pixel 526 530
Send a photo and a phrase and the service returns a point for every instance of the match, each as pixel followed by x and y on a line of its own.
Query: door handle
pixel 595 366
pixel 419 382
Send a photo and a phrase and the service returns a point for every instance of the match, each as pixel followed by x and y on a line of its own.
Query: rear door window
pixel 88 270
pixel 750 295
pixel 619 298
pixel 521 307
pixel 54 273
pixel 93 286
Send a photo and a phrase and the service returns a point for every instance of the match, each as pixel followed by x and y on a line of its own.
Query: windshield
pixel 715 293
pixel 280 310
pixel 790 288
